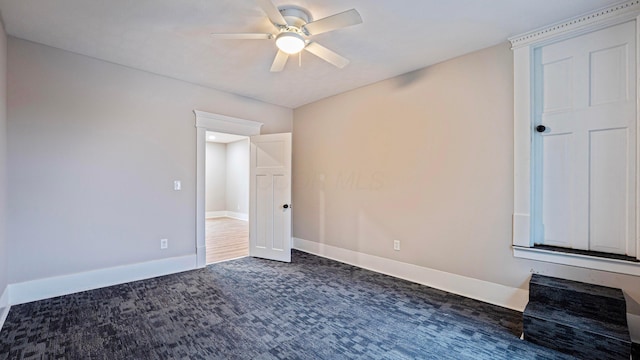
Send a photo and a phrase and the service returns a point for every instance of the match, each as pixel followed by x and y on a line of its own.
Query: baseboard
pixel 24 292
pixel 501 295
pixel 215 214
pixel 237 215
pixel 201 256
pixel 230 214
pixel 4 312
pixel 4 297
pixel 4 306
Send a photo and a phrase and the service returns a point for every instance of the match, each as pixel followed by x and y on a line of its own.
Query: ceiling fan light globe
pixel 290 42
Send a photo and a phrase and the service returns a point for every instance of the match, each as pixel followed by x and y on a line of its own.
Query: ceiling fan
pixel 294 27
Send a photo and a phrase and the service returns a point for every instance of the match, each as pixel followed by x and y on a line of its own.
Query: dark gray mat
pixel 250 308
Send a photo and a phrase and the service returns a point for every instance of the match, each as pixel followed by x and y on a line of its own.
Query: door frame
pixel 523 47
pixel 206 121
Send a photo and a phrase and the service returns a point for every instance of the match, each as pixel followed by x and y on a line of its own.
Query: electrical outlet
pixel 164 243
pixel 396 245
pixel 177 185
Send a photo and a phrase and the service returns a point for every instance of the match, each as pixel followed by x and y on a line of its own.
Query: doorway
pixel 269 181
pixel 226 196
pixel 205 122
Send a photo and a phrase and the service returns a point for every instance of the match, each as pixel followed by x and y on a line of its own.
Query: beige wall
pixel 94 149
pixel 216 177
pixel 3 162
pixel 425 158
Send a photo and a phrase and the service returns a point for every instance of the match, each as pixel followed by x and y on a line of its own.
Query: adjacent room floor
pixel 312 308
pixel 226 238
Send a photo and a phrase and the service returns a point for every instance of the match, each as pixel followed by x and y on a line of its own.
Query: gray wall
pixel 227 177
pixel 238 176
pixel 216 177
pixel 3 162
pixel 425 158
pixel 93 151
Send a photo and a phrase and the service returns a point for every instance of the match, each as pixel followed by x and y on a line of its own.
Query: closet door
pixel 585 141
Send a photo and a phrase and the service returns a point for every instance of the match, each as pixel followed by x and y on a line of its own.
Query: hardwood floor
pixel 227 238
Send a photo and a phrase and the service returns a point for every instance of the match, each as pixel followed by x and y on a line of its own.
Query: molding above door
pixel 227 124
pixel 604 17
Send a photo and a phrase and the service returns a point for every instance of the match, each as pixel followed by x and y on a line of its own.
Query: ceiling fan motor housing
pixel 295 16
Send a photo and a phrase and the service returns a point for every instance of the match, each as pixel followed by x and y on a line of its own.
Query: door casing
pixel 206 121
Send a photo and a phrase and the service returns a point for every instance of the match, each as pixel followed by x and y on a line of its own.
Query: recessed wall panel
pixel 608 190
pixel 609 71
pixel 279 196
pixel 556 196
pixel 263 203
pixel 270 154
pixel 557 85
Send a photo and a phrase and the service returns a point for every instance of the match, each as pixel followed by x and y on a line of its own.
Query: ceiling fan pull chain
pixel 300 59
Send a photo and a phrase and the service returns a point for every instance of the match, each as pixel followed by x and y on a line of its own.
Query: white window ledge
pixel 578 260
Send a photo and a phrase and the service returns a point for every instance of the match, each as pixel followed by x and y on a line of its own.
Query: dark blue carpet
pixel 250 308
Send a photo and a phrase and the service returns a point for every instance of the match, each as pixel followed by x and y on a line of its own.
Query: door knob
pixel 286 206
pixel 541 128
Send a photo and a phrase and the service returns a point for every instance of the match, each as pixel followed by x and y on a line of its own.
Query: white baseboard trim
pixel 215 214
pixel 4 312
pixel 4 297
pixel 28 291
pixel 201 256
pixel 633 321
pixel 4 306
pixel 237 215
pixel 229 214
pixel 496 294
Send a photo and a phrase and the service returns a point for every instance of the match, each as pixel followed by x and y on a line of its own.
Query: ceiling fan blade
pixel 333 22
pixel 247 36
pixel 272 12
pixel 280 61
pixel 327 55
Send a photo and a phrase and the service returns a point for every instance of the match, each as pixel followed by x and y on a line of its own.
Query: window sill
pixel 578 260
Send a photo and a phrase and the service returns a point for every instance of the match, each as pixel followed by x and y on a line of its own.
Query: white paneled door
pixel 270 197
pixel 585 141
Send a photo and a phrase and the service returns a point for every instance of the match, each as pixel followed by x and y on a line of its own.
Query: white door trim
pixel 206 121
pixel 523 49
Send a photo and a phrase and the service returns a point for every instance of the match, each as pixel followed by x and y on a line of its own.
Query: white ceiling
pixel 223 138
pixel 171 38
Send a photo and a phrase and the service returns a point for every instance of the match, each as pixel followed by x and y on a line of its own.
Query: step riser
pixel 584 320
pixel 592 306
pixel 576 342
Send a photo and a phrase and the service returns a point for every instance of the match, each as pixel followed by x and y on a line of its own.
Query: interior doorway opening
pixel 206 121
pixel 269 206
pixel 226 196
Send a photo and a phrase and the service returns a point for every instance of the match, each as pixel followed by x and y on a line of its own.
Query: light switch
pixel 177 185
